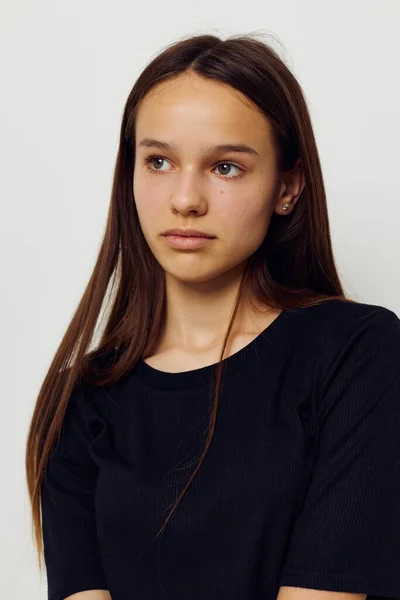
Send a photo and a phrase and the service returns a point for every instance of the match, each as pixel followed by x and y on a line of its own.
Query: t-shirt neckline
pixel 202 376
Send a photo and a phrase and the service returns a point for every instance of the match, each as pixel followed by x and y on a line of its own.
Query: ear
pixel 291 187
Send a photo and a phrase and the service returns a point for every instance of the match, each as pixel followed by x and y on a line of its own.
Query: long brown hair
pixel 294 266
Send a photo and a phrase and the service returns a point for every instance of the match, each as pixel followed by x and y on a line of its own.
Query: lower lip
pixel 185 242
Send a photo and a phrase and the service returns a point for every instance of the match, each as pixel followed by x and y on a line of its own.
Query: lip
pixel 185 242
pixel 188 233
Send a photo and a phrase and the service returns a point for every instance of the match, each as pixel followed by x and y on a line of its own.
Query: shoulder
pixel 358 342
pixel 338 320
pixel 90 400
pixel 337 334
pixel 346 310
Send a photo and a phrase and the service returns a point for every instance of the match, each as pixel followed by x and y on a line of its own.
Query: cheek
pixel 148 204
pixel 139 190
pixel 246 223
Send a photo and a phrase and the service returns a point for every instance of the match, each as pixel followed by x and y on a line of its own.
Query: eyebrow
pixel 242 148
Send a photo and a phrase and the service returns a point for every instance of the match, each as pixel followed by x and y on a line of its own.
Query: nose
pixel 188 194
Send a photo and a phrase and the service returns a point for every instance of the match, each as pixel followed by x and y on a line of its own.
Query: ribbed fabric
pixel 300 487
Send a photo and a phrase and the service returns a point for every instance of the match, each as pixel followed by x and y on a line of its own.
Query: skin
pixel 90 595
pixel 295 593
pixel 194 190
pixel 285 593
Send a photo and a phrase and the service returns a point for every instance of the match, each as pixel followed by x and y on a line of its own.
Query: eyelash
pixel 148 160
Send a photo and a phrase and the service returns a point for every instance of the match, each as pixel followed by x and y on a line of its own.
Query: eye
pixel 153 158
pixel 230 165
pixel 149 160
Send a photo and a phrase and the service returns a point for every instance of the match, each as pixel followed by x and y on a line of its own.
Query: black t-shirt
pixel 300 487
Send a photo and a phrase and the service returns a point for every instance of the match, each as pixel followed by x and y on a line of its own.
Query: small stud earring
pixel 285 206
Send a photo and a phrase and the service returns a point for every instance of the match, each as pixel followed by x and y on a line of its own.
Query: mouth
pixel 187 242
pixel 187 233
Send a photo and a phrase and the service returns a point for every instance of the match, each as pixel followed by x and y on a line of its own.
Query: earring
pixel 285 206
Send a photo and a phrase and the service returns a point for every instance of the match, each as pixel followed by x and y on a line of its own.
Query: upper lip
pixel 188 233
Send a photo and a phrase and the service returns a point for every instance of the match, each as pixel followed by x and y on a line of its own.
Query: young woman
pixel 235 432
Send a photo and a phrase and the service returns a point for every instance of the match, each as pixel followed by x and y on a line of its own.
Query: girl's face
pixel 227 193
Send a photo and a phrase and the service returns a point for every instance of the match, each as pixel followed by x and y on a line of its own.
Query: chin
pixel 197 272
pixel 189 276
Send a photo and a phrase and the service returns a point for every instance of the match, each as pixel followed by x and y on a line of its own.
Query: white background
pixel 66 71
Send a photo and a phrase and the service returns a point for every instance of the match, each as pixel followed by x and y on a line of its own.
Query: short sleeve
pixel 71 552
pixel 347 535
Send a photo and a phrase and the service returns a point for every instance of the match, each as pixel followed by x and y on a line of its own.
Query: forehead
pixel 193 108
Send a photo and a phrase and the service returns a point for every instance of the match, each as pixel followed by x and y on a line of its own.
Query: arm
pixel 296 593
pixel 72 554
pixel 346 538
pixel 90 595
